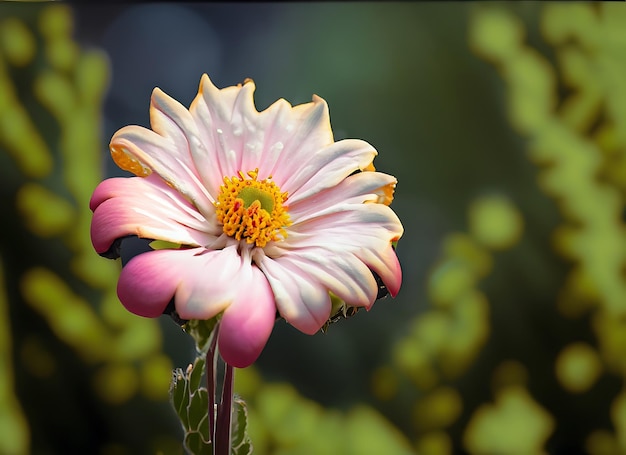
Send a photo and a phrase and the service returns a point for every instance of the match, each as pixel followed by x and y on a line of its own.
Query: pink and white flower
pixel 271 213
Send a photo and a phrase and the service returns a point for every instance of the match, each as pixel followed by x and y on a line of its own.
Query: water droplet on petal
pixel 276 149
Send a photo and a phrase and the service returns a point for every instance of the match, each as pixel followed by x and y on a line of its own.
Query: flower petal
pixel 292 136
pixel 303 302
pixel 344 275
pixel 326 168
pixel 364 230
pixel 386 265
pixel 363 187
pixel 149 208
pixel 200 281
pixel 244 139
pixel 220 117
pixel 247 323
pixel 167 149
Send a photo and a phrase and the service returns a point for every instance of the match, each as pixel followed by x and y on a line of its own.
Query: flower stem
pixel 220 412
pixel 224 414
pixel 211 367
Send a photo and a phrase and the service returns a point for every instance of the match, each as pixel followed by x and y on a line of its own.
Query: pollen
pixel 252 210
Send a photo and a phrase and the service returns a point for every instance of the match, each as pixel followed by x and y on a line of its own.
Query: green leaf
pixel 197 411
pixel 179 395
pixel 190 401
pixel 201 331
pixel 187 396
pixel 195 374
pixel 164 245
pixel 195 444
pixel 241 444
pixel 244 449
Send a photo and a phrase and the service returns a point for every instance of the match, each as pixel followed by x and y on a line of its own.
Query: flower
pixel 270 213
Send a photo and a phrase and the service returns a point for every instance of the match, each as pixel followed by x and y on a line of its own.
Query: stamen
pixel 251 209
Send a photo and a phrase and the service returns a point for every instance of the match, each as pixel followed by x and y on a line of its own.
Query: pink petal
pixel 149 208
pixel 303 302
pixel 167 149
pixel 202 282
pixel 247 323
pixel 149 281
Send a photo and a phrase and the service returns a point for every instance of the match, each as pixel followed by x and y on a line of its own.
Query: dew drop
pixel 277 148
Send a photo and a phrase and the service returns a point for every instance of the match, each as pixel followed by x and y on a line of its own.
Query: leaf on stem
pixel 190 401
pixel 201 331
pixel 241 443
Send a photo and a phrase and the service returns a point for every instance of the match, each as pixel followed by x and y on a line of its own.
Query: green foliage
pixel 14 429
pixel 66 321
pixel 191 403
pixel 284 422
pixel 202 332
pixel 565 140
pixel 241 442
pixel 515 424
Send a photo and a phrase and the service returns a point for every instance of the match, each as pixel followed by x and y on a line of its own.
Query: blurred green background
pixel 505 124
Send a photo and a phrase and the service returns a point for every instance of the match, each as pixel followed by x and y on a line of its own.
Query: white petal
pixel 244 139
pixel 326 168
pixel 364 230
pixel 356 189
pixel 344 275
pixel 221 117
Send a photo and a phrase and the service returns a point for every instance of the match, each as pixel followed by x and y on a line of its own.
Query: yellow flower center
pixel 251 209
